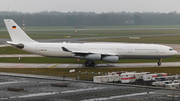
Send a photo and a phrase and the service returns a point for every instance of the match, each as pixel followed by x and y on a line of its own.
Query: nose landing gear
pixel 159 63
pixel 89 63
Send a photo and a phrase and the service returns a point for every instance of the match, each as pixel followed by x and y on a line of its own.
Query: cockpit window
pixel 170 49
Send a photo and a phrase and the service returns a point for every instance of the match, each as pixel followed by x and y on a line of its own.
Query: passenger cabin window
pixel 170 49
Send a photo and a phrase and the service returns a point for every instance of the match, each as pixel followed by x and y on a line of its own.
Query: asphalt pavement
pixel 107 65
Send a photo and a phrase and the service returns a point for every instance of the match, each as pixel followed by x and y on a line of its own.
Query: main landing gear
pixel 89 63
pixel 159 63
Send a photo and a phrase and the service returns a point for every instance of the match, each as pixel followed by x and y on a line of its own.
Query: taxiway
pixel 64 65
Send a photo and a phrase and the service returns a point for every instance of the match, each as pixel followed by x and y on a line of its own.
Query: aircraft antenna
pixel 75 30
pixel 23 24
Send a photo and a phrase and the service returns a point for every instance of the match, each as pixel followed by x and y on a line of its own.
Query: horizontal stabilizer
pixel 18 45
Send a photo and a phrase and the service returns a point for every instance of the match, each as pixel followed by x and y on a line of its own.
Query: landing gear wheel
pixel 89 63
pixel 159 63
pixel 92 64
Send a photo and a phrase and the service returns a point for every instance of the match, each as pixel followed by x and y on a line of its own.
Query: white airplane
pixel 108 52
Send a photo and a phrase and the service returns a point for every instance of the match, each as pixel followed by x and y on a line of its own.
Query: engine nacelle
pixel 110 58
pixel 93 57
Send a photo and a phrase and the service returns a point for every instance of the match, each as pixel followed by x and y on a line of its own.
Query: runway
pixel 64 65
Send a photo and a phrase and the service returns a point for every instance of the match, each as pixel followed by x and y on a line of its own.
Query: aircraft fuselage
pixel 123 50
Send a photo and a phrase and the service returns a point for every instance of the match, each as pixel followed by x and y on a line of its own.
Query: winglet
pixel 65 49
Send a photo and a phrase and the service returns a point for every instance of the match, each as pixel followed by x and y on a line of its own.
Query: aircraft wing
pixel 88 52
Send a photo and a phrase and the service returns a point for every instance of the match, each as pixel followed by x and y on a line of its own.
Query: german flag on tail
pixel 13 27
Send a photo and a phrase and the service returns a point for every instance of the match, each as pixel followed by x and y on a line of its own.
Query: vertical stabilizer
pixel 16 33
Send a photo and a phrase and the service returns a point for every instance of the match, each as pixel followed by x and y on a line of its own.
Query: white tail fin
pixel 16 33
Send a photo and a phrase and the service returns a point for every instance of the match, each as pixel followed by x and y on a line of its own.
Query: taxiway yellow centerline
pixel 54 65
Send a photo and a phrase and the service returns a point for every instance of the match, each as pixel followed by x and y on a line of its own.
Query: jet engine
pixel 110 58
pixel 93 57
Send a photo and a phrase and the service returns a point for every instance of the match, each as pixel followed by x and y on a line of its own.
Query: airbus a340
pixel 108 52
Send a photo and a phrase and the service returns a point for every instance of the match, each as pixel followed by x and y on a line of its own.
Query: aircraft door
pixel 38 47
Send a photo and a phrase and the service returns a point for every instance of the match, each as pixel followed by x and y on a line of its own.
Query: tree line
pixel 53 18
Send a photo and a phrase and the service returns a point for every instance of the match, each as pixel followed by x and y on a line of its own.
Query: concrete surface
pixel 36 89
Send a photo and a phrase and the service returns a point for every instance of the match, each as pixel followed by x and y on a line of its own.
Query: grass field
pixel 154 39
pixel 96 33
pixel 71 60
pixel 107 33
pixel 88 73
pixel 91 33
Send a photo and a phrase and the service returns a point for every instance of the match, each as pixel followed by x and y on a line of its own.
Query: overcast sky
pixel 98 6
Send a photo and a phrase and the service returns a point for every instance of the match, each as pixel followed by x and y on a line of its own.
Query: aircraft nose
pixel 175 52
